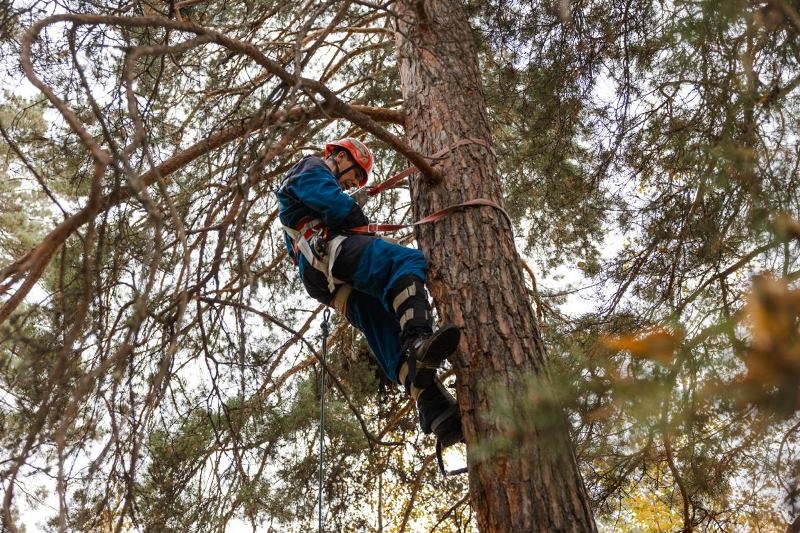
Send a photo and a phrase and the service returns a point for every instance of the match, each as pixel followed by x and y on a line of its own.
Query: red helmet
pixel 357 150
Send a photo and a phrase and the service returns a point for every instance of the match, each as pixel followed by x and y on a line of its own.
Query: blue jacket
pixel 309 190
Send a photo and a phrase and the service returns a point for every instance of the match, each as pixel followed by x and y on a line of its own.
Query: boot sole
pixel 442 345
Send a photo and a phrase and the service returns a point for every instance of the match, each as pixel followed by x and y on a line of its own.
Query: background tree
pixel 158 361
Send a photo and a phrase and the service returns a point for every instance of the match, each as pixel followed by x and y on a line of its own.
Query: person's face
pixel 352 177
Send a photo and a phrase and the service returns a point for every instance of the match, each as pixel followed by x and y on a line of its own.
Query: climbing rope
pixel 325 316
pixel 393 181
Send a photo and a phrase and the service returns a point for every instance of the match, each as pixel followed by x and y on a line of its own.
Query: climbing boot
pixel 439 414
pixel 424 348
pixel 437 408
pixel 427 352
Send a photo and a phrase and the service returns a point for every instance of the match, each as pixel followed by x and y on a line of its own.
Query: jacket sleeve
pixel 318 189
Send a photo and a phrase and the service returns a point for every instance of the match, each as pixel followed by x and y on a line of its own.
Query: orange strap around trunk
pixel 383 228
pixel 400 176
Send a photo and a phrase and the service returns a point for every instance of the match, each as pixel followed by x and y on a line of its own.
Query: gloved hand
pixel 360 196
pixel 319 244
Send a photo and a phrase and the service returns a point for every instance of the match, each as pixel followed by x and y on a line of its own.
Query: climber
pixel 377 285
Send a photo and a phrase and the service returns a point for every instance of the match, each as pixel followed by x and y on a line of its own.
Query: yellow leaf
pixel 657 344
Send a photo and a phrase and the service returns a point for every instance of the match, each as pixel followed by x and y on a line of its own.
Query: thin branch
pixel 34 263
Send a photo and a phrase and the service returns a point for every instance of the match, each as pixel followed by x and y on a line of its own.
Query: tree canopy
pixel 159 361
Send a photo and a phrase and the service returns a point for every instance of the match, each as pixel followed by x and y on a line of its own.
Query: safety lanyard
pixel 438 215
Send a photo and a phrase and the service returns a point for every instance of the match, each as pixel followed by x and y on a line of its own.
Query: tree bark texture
pixel 477 283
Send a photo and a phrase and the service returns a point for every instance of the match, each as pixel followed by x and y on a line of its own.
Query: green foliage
pixel 22 215
pixel 689 174
pixel 162 368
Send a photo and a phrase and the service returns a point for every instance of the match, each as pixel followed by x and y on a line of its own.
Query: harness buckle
pixel 318 240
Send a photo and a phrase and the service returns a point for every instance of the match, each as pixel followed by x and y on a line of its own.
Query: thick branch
pixel 331 103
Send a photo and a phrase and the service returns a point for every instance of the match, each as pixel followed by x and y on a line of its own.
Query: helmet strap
pixel 345 171
pixel 339 172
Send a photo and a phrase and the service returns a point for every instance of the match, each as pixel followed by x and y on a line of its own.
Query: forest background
pixel 159 362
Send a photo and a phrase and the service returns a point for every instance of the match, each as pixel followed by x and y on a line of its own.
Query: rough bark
pixel 476 281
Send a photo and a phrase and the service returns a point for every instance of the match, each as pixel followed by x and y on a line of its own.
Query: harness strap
pixel 447 211
pixel 410 303
pixel 303 228
pixel 300 236
pixel 400 176
pixel 334 245
pixel 340 297
pixel 404 295
pixel 402 376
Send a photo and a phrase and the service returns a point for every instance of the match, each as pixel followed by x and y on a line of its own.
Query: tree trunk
pixel 477 283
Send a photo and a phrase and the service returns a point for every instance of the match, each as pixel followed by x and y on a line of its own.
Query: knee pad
pixel 410 304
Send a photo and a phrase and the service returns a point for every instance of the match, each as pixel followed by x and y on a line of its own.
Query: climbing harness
pixel 325 316
pixel 311 231
pixel 311 239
